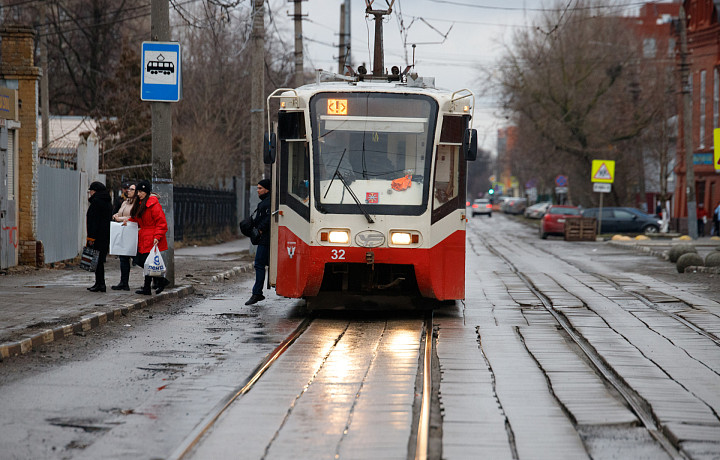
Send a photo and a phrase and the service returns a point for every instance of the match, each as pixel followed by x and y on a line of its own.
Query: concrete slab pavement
pixel 47 304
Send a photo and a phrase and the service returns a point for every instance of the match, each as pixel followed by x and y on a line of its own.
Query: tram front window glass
pixel 376 146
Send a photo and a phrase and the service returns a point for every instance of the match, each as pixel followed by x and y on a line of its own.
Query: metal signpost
pixel 161 83
pixel 602 176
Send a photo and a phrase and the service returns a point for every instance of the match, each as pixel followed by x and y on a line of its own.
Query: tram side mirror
pixel 269 148
pixel 469 144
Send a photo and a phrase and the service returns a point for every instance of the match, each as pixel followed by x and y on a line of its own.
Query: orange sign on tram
pixel 337 107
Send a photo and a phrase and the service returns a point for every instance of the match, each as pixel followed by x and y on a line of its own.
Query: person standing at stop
pixel 152 227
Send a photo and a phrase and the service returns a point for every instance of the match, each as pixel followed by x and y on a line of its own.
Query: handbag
pixel 255 236
pixel 154 264
pixel 89 259
pixel 123 238
pixel 247 226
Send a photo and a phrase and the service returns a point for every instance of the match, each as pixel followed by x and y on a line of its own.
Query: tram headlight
pixel 404 238
pixel 338 236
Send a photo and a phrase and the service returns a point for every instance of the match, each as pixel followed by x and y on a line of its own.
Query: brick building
pixel 19 75
pixel 703 34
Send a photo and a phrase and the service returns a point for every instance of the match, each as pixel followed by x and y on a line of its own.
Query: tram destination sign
pixel 161 72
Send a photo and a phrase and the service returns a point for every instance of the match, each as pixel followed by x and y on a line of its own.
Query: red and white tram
pixel 369 189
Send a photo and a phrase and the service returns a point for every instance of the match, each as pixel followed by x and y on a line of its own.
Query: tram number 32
pixel 338 254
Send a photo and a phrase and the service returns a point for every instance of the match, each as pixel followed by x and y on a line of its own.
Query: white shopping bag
pixel 154 264
pixel 123 239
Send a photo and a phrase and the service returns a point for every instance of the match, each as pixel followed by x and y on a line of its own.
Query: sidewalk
pixel 44 305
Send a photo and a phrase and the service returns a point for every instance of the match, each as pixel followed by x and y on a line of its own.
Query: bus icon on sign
pixel 155 67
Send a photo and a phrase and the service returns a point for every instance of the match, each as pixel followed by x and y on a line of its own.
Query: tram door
pixel 274 206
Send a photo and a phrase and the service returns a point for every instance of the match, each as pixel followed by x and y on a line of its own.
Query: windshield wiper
pixel 354 197
pixel 337 169
pixel 347 187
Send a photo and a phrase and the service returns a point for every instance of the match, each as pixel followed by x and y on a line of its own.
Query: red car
pixel 553 222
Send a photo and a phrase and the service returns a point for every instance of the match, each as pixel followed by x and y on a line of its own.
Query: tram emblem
pixel 291 248
pixel 370 239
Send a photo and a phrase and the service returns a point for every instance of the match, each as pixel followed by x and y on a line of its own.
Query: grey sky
pixel 479 32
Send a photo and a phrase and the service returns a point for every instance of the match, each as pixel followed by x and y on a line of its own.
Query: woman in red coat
pixel 152 227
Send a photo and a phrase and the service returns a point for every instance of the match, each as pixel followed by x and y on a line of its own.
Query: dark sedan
pixel 624 220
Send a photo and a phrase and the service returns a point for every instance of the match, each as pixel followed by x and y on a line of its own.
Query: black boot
pixel 145 290
pixel 121 287
pixel 99 285
pixel 124 277
pixel 161 284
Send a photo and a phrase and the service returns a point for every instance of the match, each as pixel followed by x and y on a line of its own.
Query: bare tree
pixel 214 116
pixel 574 80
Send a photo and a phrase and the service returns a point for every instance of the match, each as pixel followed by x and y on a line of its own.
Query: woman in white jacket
pixel 123 215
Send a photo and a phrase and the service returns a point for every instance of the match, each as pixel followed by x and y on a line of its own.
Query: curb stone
pixel 97 319
pixel 86 323
pixel 664 255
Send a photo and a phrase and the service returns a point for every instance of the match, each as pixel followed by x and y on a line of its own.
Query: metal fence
pixel 202 213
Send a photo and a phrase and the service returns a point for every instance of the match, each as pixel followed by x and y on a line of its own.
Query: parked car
pixel 553 222
pixel 513 205
pixel 481 206
pixel 537 210
pixel 624 220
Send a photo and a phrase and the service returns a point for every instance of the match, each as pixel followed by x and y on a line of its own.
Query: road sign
pixel 603 171
pixel 561 181
pixel 716 157
pixel 560 190
pixel 161 72
pixel 602 188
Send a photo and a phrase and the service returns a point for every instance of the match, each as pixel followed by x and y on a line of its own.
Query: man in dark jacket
pixel 99 215
pixel 261 221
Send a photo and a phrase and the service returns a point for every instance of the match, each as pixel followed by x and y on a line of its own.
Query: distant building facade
pixel 703 36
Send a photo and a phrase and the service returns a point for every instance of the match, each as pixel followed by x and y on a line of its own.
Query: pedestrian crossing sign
pixel 603 171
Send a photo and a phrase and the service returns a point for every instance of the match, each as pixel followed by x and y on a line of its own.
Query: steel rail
pixel 423 431
pixel 653 305
pixel 192 440
pixel 636 403
pixel 649 303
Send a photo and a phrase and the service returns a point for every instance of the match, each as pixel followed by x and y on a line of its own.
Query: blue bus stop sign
pixel 161 72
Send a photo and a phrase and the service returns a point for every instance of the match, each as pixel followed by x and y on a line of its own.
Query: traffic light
pixel 491 191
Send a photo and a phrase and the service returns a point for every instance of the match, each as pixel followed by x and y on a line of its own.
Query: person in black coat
pixel 98 219
pixel 261 221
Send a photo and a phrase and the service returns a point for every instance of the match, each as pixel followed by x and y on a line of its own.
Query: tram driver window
pixel 446 174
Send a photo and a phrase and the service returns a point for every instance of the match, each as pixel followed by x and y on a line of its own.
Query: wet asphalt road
pixel 513 383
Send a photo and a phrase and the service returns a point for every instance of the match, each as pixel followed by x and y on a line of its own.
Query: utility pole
pixel 341 46
pixel 44 83
pixel 162 174
pixel 348 35
pixel 299 74
pixel 257 99
pixel 687 128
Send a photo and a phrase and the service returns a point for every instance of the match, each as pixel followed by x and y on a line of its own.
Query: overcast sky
pixel 478 31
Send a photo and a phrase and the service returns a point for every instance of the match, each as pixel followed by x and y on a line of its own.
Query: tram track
pixel 420 447
pixel 196 435
pixel 637 404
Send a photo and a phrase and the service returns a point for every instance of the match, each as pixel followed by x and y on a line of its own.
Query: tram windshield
pixel 376 146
